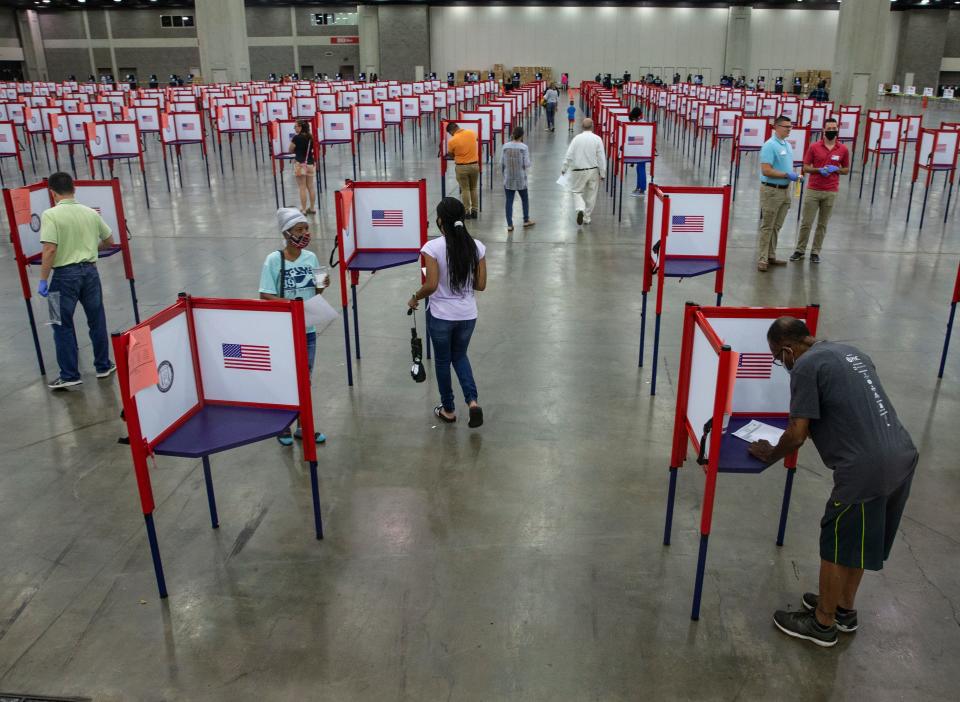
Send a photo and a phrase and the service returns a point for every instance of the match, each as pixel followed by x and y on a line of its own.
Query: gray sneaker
pixel 846 618
pixel 804 625
pixel 61 384
pixel 107 373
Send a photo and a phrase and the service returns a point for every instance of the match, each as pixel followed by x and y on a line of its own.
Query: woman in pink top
pixel 456 268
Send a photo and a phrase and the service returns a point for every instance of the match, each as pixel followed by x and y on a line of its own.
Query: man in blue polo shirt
pixel 776 168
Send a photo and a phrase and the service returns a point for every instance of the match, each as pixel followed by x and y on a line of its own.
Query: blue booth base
pixel 218 428
pixel 690 267
pixel 734 457
pixel 378 260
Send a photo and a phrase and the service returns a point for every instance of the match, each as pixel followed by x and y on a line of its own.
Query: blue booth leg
pixel 211 498
pixel 155 553
pixel 643 325
pixel 656 352
pixel 356 321
pixel 698 585
pixel 671 495
pixel 785 507
pixel 346 346
pixel 946 339
pixel 315 489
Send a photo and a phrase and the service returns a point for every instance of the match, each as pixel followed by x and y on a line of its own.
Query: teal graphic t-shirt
pixel 299 279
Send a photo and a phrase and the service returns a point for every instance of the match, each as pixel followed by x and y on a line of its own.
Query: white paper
pixel 564 181
pixel 318 313
pixel 756 431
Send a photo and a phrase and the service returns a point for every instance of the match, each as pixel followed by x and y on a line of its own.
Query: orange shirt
pixel 463 146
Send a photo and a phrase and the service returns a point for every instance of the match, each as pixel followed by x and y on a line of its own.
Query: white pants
pixel 585 191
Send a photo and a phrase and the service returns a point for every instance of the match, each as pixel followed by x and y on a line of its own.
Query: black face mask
pixel 831 135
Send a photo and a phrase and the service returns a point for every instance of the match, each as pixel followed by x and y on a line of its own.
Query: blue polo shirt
pixel 778 154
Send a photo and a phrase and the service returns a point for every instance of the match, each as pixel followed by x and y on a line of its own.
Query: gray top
pixel 514 162
pixel 551 95
pixel 852 422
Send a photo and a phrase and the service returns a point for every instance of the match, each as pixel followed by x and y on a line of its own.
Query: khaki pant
pixel 817 201
pixel 468 178
pixel 774 203
pixel 586 185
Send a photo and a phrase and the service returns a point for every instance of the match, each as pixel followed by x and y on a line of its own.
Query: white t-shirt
pixel 444 303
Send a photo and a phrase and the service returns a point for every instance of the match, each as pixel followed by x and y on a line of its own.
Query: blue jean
pixel 450 341
pixel 642 177
pixel 551 109
pixel 79 282
pixel 524 200
pixel 311 350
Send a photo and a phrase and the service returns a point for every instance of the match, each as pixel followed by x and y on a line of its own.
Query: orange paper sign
pixel 141 360
pixel 21 205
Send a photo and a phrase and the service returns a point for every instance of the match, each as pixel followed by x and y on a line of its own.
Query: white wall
pixel 582 41
pixel 585 40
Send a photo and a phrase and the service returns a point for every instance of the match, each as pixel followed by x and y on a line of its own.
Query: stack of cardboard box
pixel 810 78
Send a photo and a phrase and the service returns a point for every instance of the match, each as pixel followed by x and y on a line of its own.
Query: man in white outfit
pixel 587 165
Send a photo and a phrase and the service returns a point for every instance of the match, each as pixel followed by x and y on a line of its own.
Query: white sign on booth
pixel 8 139
pixel 392 111
pixel 426 102
pixel 410 107
pixel 369 118
pixel 847 125
pixel 753 132
pixel 337 126
pixel 946 147
pixel 327 102
pixel 440 99
pixel 370 205
pixel 182 127
pixel 281 132
pixel 159 406
pixel 637 141
pixel 486 123
pixel 756 395
pixel 884 134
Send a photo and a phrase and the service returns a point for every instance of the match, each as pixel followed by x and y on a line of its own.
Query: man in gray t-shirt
pixel 837 400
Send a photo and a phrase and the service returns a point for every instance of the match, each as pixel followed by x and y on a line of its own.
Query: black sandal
pixel 437 412
pixel 476 417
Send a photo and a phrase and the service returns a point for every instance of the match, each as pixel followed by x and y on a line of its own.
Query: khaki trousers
pixel 468 178
pixel 774 203
pixel 818 204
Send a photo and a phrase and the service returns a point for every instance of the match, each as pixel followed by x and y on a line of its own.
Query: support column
pixel 34 58
pixel 296 44
pixel 222 36
pixel 736 55
pixel 368 21
pixel 858 56
pixel 113 52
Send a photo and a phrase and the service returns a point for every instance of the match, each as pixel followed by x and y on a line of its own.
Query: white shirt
pixel 585 151
pixel 444 303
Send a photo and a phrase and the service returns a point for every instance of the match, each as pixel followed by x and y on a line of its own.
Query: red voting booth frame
pixel 370 259
pixel 949 170
pixel 738 149
pixel 953 311
pixel 445 160
pixel 623 161
pixel 230 131
pixel 10 130
pixel 24 262
pixel 360 131
pixel 667 265
pixel 879 150
pixel 178 143
pixel 90 130
pixel 719 451
pixel 324 143
pixel 211 426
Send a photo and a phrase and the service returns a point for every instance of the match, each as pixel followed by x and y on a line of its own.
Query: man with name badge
pixel 72 234
pixel 837 400
pixel 587 162
pixel 776 168
pixel 825 161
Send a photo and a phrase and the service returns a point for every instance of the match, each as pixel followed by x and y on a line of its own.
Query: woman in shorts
pixel 303 148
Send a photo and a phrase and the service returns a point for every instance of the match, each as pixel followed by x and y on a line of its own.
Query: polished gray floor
pixel 520 561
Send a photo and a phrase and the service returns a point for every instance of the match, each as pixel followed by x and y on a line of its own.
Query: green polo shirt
pixel 76 229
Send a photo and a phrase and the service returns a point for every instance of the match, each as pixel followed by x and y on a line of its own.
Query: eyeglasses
pixel 777 361
pixel 784 126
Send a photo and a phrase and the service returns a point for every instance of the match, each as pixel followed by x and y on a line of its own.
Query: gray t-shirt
pixel 852 423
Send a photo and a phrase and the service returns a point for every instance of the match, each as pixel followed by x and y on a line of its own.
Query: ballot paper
pixel 564 181
pixel 318 313
pixel 756 431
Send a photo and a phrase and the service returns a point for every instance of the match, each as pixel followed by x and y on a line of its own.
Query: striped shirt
pixel 514 162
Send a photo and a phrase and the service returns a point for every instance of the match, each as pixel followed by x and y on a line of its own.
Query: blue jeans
pixel 524 200
pixel 311 350
pixel 551 109
pixel 79 282
pixel 642 176
pixel 450 341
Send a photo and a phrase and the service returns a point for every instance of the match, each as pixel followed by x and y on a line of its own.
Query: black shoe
pixel 814 258
pixel 107 373
pixel 846 618
pixel 804 625
pixel 796 256
pixel 579 216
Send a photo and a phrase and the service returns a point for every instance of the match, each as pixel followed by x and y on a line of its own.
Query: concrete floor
pixel 521 561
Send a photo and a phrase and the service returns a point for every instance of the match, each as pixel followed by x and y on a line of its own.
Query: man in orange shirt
pixel 462 146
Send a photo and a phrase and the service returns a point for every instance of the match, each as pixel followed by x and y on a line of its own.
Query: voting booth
pixel 115 141
pixel 686 237
pixel 10 149
pixel 637 146
pixel 953 311
pixel 336 129
pixel 179 129
pixel 379 226
pixel 235 120
pixel 848 127
pixel 936 152
pixel 446 161
pixel 207 375
pixel 68 130
pixel 25 206
pixel 799 140
pixel 750 133
pixel 281 132
pixel 728 384
pixel 368 119
pixel 882 138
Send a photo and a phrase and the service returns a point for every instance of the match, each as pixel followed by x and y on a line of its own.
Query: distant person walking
pixel 550 100
pixel 463 147
pixel 514 163
pixel 303 148
pixel 456 269
pixel 586 163
pixel 571 116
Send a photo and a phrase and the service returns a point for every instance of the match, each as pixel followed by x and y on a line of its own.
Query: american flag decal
pixel 749 131
pixel 387 218
pixel 336 125
pixel 687 223
pixel 634 140
pixel 246 357
pixel 369 117
pixel 755 366
pixel 122 138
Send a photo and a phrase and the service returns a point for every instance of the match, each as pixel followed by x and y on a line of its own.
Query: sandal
pixel 438 412
pixel 476 417
pixel 318 437
pixel 284 438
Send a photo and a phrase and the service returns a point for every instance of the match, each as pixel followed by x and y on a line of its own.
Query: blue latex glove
pixel 43 289
pixel 825 171
pixel 833 169
pixel 791 176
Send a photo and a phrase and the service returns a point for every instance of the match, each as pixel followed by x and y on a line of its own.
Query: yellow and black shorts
pixel 861 535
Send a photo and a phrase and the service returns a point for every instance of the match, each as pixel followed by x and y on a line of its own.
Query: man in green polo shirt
pixel 72 235
pixel 776 168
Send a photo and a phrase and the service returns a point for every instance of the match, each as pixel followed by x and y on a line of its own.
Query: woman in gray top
pixel 550 99
pixel 514 162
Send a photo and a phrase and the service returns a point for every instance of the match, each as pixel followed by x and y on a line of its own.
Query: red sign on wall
pixel 344 40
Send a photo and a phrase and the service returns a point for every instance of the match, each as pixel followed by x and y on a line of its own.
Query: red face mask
pixel 300 242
